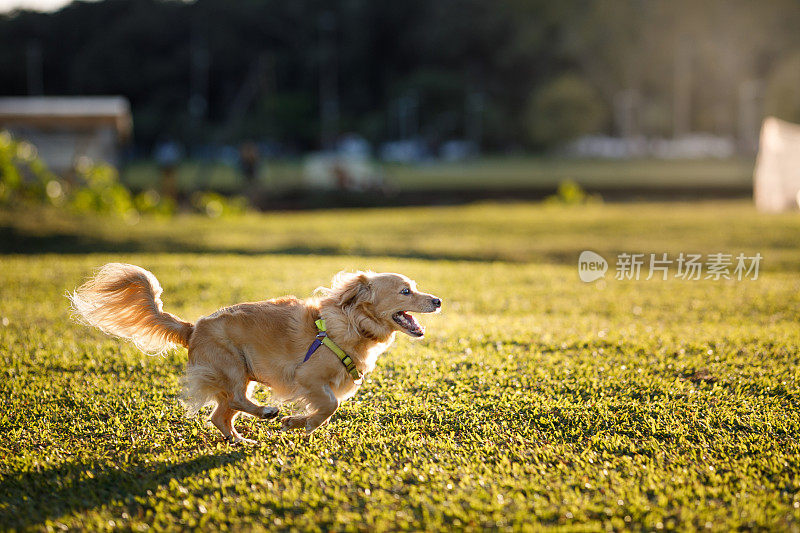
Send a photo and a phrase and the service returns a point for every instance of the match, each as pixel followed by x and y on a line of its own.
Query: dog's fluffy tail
pixel 123 300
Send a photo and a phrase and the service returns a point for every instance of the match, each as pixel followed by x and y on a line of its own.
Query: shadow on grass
pixel 32 498
pixel 12 241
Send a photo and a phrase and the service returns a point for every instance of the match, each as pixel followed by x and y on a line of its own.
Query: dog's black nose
pixel 436 302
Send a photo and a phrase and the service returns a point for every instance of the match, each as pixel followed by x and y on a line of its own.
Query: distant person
pixel 341 176
pixel 248 160
pixel 168 156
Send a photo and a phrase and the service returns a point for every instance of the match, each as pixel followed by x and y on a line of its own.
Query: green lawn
pixel 534 400
pixel 489 172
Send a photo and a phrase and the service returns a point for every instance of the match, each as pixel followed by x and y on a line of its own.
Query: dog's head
pixel 379 304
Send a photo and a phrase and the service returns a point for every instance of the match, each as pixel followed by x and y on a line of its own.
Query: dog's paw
pixel 293 422
pixel 238 439
pixel 268 412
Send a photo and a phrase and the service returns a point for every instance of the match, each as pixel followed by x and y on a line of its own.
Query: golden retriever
pixel 264 342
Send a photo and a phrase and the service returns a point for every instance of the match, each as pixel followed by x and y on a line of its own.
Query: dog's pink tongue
pixel 414 325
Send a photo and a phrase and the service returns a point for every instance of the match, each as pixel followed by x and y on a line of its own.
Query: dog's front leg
pixel 293 422
pixel 322 404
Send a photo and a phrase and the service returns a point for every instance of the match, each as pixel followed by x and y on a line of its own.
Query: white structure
pixel 690 146
pixel 776 181
pixel 327 171
pixel 66 128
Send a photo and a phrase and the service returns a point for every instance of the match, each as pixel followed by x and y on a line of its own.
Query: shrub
pixel 25 179
pixel 215 205
pixel 570 193
pixel 99 191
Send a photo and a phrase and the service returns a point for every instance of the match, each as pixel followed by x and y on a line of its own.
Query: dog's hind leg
pixel 223 417
pixel 241 402
pixel 240 377
pixel 219 372
pixel 229 407
pixel 235 400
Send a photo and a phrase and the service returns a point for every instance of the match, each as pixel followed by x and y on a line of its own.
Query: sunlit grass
pixel 516 232
pixel 534 399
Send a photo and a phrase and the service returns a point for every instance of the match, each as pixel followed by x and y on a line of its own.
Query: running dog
pixel 314 352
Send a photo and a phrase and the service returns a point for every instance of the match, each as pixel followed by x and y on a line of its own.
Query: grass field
pixel 534 400
pixel 489 172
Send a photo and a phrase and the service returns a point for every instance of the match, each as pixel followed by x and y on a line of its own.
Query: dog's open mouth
pixel 409 324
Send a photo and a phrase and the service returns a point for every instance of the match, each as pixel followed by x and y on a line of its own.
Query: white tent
pixel 776 181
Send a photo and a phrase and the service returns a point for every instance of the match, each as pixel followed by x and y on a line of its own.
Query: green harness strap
pixel 346 360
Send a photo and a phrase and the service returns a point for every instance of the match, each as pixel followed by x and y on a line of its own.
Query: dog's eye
pixel 406 290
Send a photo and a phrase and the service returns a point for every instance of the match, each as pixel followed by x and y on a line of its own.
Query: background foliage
pixel 187 65
pixel 26 182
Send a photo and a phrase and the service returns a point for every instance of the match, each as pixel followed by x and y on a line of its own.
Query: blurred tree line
pixel 504 74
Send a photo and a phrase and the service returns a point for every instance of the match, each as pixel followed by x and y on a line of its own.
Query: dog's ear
pixel 352 289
